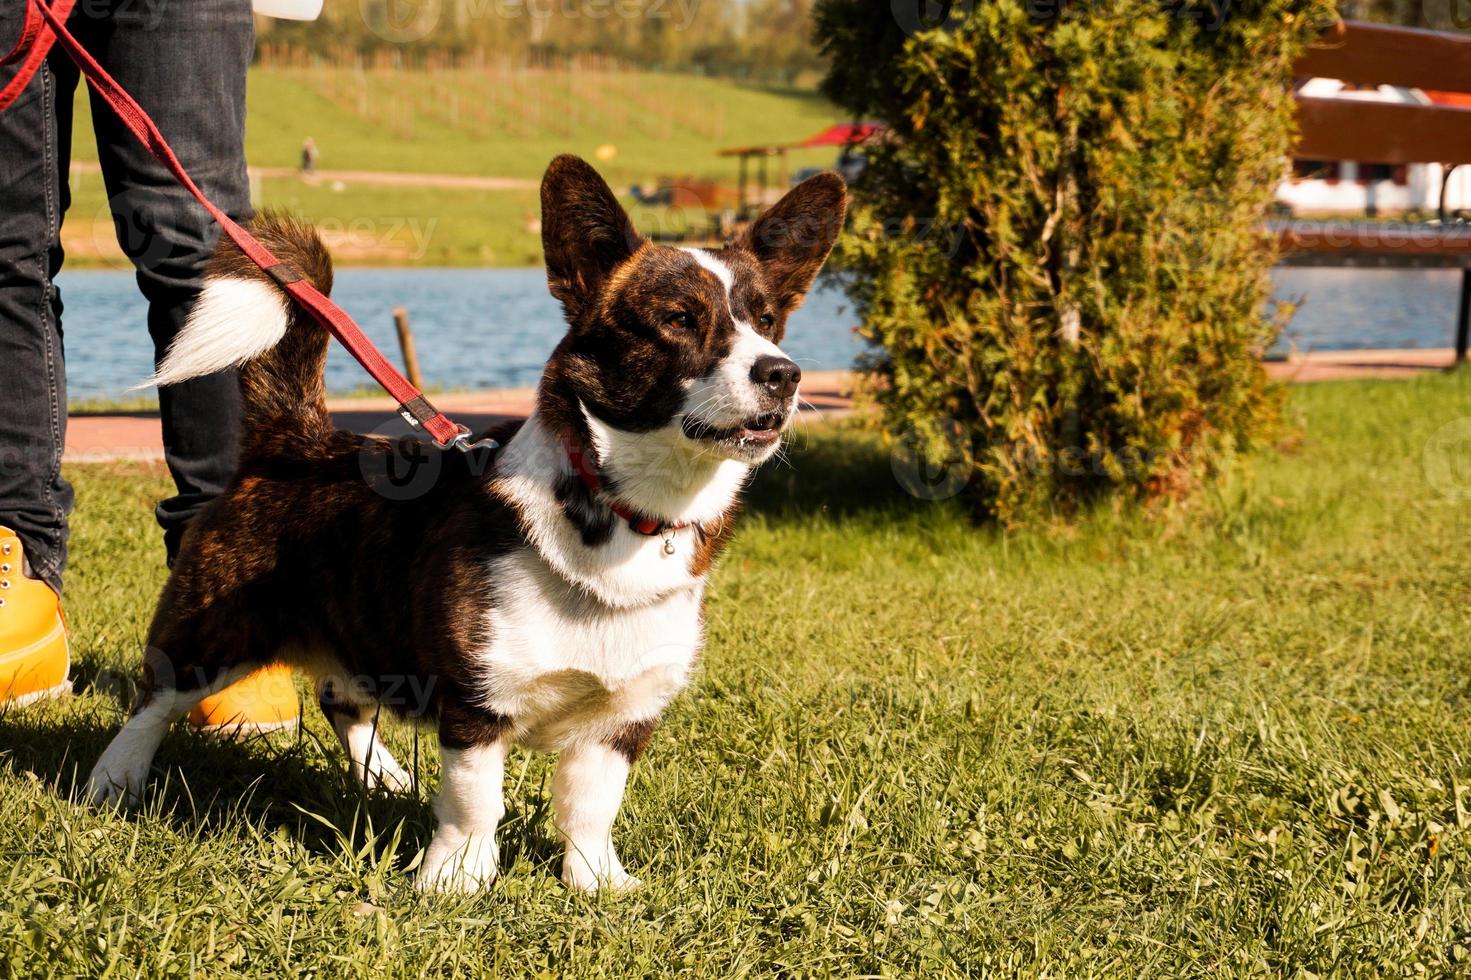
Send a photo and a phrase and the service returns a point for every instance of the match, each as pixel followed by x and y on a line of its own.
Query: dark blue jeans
pixel 185 62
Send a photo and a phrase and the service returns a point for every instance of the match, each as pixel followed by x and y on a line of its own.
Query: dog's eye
pixel 766 320
pixel 681 321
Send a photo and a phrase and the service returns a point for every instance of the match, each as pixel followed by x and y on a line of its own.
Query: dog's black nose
pixel 779 375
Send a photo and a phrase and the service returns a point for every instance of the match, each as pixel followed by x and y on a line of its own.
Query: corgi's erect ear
pixel 793 237
pixel 585 233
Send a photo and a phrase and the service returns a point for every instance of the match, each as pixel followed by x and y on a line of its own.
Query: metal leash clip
pixel 465 444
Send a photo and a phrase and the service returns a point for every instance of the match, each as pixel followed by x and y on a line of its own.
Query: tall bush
pixel 1057 251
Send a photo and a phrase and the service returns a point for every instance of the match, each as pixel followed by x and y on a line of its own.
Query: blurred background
pixel 413 132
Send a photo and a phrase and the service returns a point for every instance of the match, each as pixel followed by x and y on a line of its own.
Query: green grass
pixel 1234 740
pixel 470 122
pixel 416 226
pixel 128 405
pixel 363 225
pixel 477 123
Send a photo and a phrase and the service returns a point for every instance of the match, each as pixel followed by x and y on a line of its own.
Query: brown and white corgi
pixel 550 596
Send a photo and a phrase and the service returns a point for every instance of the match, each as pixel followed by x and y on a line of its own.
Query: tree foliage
pixel 1057 252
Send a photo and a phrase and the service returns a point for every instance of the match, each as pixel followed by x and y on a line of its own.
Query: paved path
pixel 101 438
pixel 1337 365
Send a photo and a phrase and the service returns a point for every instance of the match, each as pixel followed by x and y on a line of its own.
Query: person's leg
pixel 35 144
pixel 185 63
pixel 34 499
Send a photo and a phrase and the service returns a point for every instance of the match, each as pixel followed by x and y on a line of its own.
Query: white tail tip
pixel 233 321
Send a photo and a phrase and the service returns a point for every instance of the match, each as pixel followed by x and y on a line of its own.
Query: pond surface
pixel 493 328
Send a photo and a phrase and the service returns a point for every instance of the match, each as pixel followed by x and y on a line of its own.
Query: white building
pixel 1348 187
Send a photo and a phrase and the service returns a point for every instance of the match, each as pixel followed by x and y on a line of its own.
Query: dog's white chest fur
pixel 567 667
pixel 584 640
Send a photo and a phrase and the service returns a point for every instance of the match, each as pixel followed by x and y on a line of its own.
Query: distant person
pixel 185 62
pixel 309 156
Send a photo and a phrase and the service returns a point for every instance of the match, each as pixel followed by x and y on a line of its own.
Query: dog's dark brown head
pixel 681 340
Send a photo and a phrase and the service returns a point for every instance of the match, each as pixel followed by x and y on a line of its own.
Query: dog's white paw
pixel 386 774
pixel 603 876
pixel 459 864
pixel 115 785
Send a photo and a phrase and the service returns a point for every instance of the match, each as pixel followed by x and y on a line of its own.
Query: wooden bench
pixel 1386 133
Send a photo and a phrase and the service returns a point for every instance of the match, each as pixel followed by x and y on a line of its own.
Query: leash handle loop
pixel 30 49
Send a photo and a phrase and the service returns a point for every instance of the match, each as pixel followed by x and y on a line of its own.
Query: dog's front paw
pixel 116 782
pixel 604 875
pixel 112 792
pixel 389 776
pixel 458 864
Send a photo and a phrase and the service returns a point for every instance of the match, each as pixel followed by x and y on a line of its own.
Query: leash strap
pixel 45 26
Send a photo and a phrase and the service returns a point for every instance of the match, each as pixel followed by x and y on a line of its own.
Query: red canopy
pixel 1459 100
pixel 843 134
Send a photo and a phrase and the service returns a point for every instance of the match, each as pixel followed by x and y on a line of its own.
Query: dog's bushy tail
pixel 244 319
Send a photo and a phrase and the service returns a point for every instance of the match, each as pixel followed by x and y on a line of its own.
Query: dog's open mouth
pixel 757 430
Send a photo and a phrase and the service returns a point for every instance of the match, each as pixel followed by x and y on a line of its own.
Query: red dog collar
pixel 586 468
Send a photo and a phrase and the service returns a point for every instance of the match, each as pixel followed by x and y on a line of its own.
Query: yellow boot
pixel 33 646
pixel 265 701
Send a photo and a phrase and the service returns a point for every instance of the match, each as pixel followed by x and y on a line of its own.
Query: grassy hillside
pixel 510 124
pixel 1234 741
pixel 364 225
pixel 475 123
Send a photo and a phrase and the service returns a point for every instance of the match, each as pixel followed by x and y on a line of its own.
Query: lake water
pixel 493 328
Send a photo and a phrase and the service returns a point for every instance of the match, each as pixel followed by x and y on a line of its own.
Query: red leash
pixel 44 26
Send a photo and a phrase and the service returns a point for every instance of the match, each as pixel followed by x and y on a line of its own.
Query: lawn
pixel 510 123
pixel 1233 740
pixel 363 225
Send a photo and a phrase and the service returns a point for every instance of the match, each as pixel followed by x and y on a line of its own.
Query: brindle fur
pixel 303 560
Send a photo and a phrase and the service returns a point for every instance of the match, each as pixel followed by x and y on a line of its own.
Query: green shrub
pixel 1057 253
